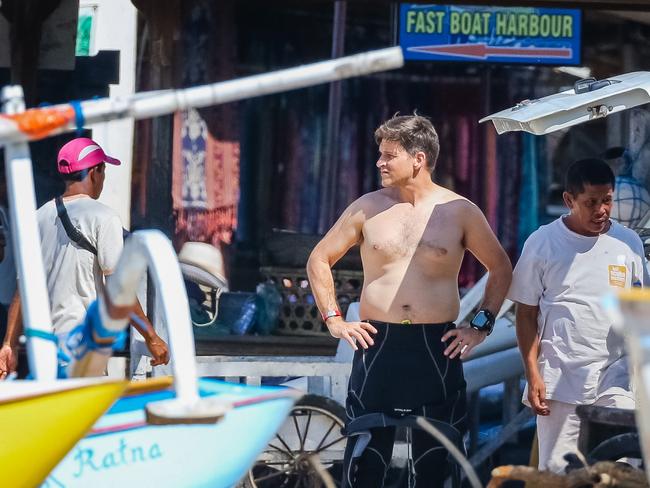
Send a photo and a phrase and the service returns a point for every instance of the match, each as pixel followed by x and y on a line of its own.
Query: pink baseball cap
pixel 82 153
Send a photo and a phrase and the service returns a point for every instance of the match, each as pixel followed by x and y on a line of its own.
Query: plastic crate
pixel 299 314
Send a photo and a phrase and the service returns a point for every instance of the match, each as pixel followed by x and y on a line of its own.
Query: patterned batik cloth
pixel 205 181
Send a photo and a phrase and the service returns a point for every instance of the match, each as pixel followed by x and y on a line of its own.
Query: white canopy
pixel 567 108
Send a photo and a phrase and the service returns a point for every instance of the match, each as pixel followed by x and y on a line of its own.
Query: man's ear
pixel 568 199
pixel 92 172
pixel 94 176
pixel 420 160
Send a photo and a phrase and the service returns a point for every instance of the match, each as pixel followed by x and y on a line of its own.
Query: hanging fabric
pixel 491 179
pixel 205 159
pixel 205 181
pixel 509 178
pixel 529 196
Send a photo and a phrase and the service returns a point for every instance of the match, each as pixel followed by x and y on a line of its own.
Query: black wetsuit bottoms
pixel 405 373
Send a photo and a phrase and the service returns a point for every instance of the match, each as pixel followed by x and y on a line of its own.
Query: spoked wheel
pixel 313 429
pixel 620 446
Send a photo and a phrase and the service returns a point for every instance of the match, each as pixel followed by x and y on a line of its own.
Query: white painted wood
pixel 117 368
pixel 151 104
pixel 26 242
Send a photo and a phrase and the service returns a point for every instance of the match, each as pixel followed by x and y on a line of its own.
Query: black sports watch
pixel 483 321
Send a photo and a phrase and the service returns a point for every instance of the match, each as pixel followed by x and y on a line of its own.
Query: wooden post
pixel 154 137
pixel 330 167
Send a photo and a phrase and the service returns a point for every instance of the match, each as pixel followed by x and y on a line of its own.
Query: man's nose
pixel 380 163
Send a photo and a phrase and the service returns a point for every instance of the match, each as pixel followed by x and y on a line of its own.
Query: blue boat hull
pixel 122 450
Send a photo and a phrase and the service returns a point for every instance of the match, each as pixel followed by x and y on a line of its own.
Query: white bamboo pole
pixel 151 247
pixel 26 240
pixel 630 316
pixel 19 126
pixel 141 106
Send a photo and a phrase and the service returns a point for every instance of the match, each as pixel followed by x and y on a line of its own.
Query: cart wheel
pixel 620 446
pixel 313 428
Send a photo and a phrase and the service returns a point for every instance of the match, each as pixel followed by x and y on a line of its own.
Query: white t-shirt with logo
pixel 567 274
pixel 74 275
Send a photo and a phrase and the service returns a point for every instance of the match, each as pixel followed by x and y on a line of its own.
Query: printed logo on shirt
pixel 617 275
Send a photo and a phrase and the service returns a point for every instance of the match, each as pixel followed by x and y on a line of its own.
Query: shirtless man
pixel 413 235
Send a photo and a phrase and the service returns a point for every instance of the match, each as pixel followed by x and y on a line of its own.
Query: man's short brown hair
pixel 414 133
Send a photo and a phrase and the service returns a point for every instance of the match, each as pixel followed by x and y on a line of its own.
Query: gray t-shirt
pixel 75 276
pixel 566 275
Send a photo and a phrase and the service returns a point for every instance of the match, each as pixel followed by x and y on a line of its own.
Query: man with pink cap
pixel 81 241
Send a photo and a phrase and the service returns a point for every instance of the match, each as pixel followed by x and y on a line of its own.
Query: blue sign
pixel 490 34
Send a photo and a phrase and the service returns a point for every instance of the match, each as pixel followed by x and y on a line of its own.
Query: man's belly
pixel 414 300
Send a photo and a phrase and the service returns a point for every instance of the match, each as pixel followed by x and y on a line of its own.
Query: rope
pixel 79 118
pixel 41 334
pixel 62 358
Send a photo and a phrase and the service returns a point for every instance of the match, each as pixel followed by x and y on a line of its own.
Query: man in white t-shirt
pixel 75 273
pixel 571 354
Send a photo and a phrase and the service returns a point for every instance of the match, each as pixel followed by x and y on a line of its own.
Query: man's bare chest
pixel 403 234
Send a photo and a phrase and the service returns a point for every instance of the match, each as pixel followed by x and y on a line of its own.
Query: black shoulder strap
pixel 74 234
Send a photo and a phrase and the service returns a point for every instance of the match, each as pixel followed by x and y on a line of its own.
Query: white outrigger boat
pixel 213 429
pixel 180 432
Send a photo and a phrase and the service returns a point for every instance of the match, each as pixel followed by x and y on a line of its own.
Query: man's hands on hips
pixel 158 349
pixel 352 332
pixel 8 361
pixel 537 394
pixel 464 339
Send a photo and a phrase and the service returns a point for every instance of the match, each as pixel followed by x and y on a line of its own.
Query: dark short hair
pixel 79 175
pixel 414 133
pixel 591 171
